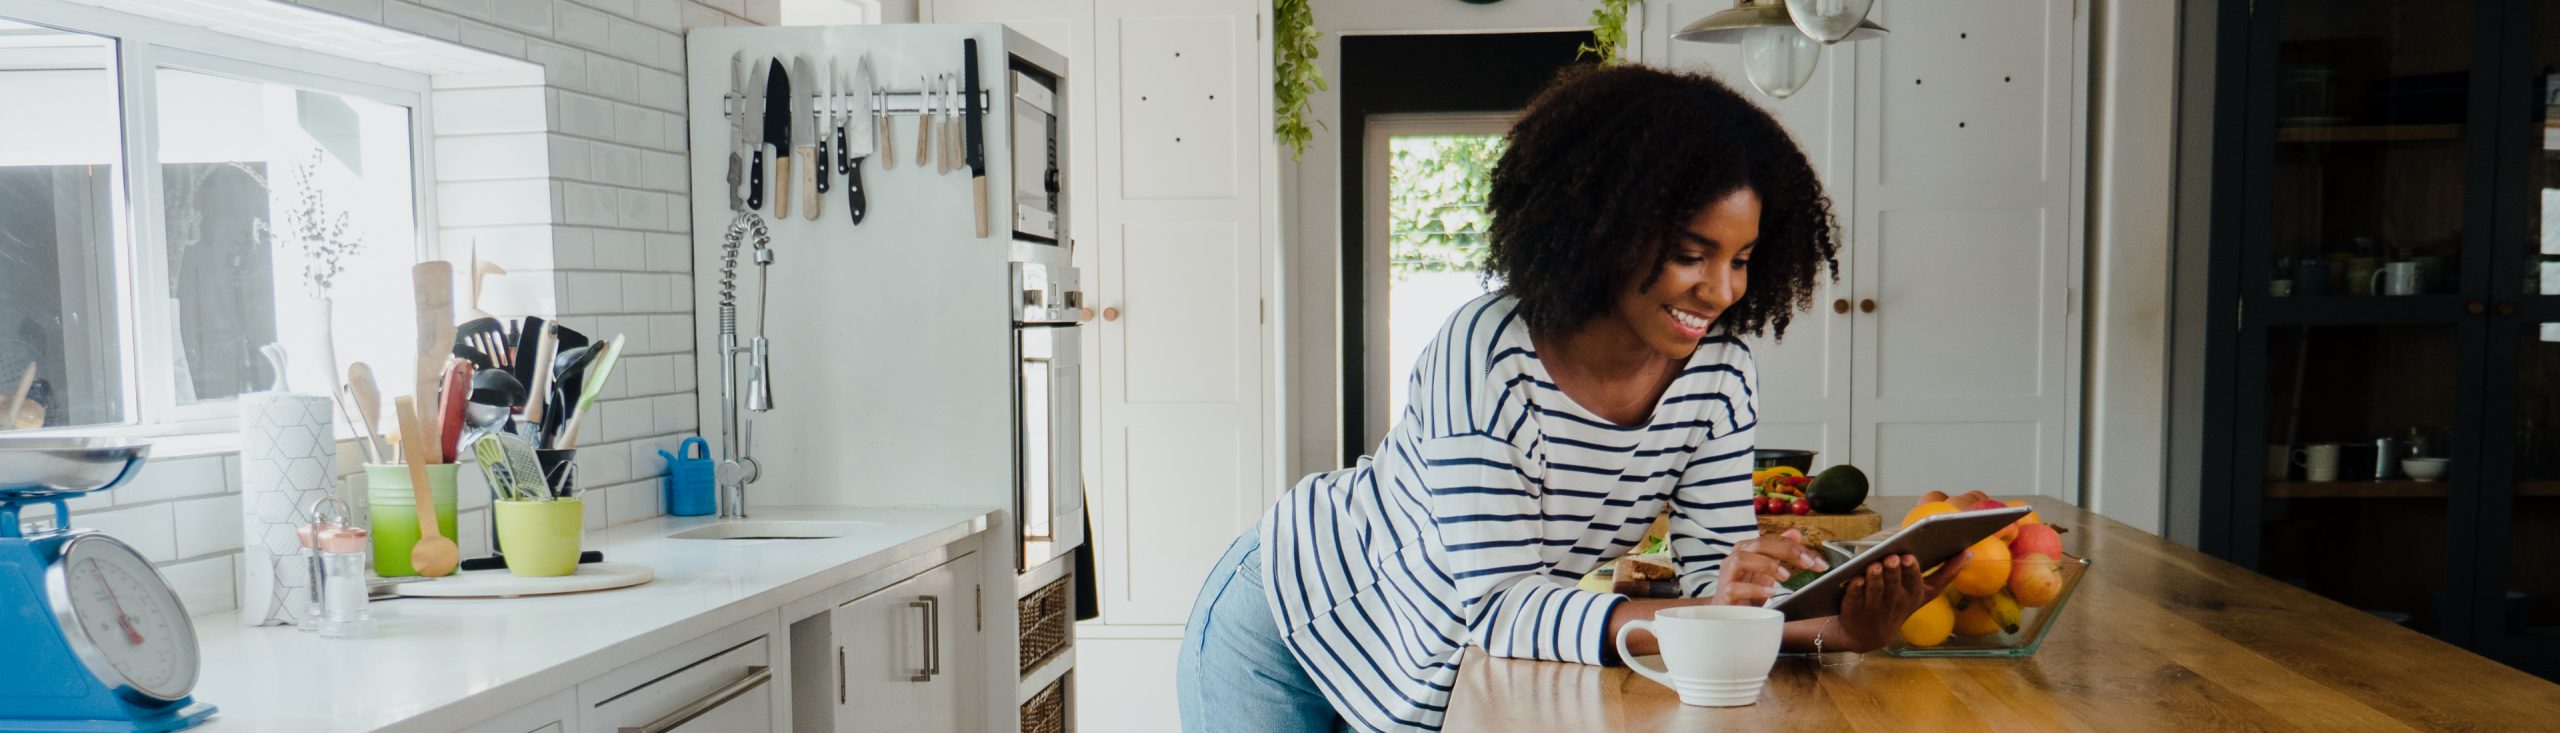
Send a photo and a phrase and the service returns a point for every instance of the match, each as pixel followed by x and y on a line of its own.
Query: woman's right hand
pixel 1752 573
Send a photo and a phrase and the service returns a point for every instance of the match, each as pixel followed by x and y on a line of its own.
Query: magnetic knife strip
pixel 891 103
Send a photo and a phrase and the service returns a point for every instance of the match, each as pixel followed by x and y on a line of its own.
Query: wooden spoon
pixel 432 284
pixel 434 556
pixel 368 399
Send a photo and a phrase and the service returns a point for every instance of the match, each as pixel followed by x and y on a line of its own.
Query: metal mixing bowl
pixel 36 468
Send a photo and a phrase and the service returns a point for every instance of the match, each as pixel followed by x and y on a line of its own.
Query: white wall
pixel 2132 132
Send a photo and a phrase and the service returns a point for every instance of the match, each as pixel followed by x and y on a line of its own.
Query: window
pixel 170 208
pixel 1426 177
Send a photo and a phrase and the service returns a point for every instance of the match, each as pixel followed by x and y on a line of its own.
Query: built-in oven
pixel 1048 413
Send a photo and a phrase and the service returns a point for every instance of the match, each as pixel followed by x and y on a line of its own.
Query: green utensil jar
pixel 395 512
pixel 541 537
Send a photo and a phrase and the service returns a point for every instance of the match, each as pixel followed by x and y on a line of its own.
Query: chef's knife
pixel 737 108
pixel 804 134
pixel 821 97
pixel 838 84
pixel 858 140
pixel 754 106
pixel 777 132
pixel 973 130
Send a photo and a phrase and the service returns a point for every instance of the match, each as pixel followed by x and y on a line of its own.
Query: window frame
pixel 144 46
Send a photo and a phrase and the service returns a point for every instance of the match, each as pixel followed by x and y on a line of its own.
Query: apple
pixel 2006 533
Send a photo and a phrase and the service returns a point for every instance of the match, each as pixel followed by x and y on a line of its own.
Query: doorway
pixel 1425 176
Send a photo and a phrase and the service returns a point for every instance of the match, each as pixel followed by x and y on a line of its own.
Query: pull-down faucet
pixel 737 466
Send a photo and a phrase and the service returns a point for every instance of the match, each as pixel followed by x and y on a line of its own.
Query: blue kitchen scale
pixel 95 639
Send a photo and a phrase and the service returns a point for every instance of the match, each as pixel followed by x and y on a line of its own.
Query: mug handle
pixel 2373 283
pixel 1656 674
pixel 2301 457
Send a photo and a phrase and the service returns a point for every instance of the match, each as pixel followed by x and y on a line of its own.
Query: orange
pixel 1987 571
pixel 1930 625
pixel 1926 509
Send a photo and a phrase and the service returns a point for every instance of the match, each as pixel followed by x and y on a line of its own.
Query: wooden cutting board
pixel 1823 527
pixel 498 583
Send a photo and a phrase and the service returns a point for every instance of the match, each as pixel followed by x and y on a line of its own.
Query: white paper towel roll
pixel 287 453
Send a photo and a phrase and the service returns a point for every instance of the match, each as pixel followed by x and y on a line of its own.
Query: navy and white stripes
pixel 1492 496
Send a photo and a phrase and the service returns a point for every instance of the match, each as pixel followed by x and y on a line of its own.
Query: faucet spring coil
pixel 746 222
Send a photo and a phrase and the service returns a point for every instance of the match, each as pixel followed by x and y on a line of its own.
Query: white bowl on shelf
pixel 2425 469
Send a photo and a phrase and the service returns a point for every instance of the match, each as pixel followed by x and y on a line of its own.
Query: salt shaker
pixel 341 549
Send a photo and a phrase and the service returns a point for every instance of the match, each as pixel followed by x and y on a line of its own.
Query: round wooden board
pixel 498 583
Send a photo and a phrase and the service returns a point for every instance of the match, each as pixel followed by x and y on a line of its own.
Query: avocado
pixel 1837 490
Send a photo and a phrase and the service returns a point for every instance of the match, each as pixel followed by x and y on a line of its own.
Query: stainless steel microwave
pixel 1038 193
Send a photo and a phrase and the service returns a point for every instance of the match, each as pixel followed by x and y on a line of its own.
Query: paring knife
pixel 974 131
pixel 924 124
pixel 737 109
pixel 857 142
pixel 753 106
pixel 821 109
pixel 804 133
pixel 777 132
pixel 887 127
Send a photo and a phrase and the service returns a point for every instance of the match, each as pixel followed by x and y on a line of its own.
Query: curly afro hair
pixel 1609 163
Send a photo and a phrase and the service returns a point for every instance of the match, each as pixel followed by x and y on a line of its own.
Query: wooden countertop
pixel 2159 637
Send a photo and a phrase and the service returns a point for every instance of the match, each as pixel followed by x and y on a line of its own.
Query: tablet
pixel 1934 539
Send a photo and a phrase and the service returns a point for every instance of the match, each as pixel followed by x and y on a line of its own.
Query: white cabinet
pixel 554 714
pixel 723 681
pixel 1946 356
pixel 906 657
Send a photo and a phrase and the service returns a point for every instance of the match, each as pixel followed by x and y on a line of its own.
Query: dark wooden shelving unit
pixel 2368 133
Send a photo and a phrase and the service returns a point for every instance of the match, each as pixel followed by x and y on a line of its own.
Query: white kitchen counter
pixel 440 664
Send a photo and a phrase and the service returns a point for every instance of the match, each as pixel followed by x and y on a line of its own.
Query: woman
pixel 1643 221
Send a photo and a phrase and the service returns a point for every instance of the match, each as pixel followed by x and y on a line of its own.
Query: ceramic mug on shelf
pixel 2319 461
pixel 1714 656
pixel 2360 275
pixel 2398 278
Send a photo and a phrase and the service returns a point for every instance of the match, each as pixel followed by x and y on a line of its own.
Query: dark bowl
pixel 1765 458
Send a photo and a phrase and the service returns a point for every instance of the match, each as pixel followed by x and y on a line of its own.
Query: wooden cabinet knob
pixel 1840 306
pixel 1084 314
pixel 2506 309
pixel 1111 314
pixel 2475 307
pixel 1867 305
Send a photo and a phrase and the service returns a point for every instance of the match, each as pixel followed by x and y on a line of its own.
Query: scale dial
pixel 122 619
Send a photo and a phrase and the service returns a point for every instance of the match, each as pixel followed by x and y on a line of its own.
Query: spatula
pixel 368 399
pixel 432 285
pixel 434 556
pixel 596 379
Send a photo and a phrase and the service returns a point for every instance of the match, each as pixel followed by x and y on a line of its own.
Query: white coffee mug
pixel 2398 278
pixel 1716 656
pixel 2319 461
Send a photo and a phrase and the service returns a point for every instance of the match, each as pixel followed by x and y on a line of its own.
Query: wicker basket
pixel 1048 621
pixel 1047 711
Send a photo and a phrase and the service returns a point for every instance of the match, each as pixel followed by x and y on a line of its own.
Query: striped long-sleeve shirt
pixel 1492 496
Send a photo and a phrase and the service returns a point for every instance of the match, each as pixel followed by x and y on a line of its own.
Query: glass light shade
pixel 1779 59
pixel 1829 21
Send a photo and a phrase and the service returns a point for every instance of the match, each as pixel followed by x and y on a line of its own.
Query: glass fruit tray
pixel 2014 640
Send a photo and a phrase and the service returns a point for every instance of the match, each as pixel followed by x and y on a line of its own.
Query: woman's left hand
pixel 1873 607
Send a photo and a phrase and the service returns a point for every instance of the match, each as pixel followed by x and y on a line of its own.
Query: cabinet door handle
pixel 2506 309
pixel 756 677
pixel 1867 305
pixel 1840 306
pixel 839 675
pixel 1110 314
pixel 932 608
pixel 2476 307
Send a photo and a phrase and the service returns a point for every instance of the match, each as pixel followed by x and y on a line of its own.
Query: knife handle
pixel 781 183
pixel 755 181
pixel 821 169
pixel 888 152
pixel 978 195
pixel 844 165
pixel 924 141
pixel 856 204
pixel 808 181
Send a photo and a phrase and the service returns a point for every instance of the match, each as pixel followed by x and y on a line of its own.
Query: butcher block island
pixel 2160 637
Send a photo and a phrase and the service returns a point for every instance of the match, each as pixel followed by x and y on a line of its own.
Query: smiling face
pixel 1705 274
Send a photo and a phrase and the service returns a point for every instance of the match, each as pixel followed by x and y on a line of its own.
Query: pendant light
pixel 1777 57
pixel 1829 21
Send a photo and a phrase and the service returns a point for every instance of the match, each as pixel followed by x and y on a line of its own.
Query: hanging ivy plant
pixel 1608 31
pixel 1295 77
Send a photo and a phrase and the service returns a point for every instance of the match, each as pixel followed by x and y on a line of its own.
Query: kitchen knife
pixel 736 106
pixel 887 127
pixel 821 102
pixel 924 123
pixel 951 131
pixel 777 132
pixel 753 108
pixel 804 133
pixel 858 203
pixel 841 83
pixel 974 131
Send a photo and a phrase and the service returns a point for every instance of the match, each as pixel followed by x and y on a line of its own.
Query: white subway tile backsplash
pixel 633 41
pixel 577 26
pixel 643 293
pixel 206 526
pixel 488 157
pixel 670 333
pixel 675 413
pixel 573 248
pixel 493 203
pixel 205 586
pixel 633 502
pixel 732 7
pixel 662 172
pixel 176 479
pixel 700 15
pixel 618 249
pixel 417 19
pixel 603 464
pixel 671 52
pixel 684 374
pixel 616 7
pixel 369 11
pixel 641 210
pixel 151 529
pixel 530 16
pixel 569 158
pixel 660 13
pixel 647 375
pixel 561 65
pixel 613 78
pixel 586 116
pixel 594 508
pixel 670 253
pixel 662 90
pixel 473 526
pixel 590 204
pixel 593 292
pixel 464 8
pixel 616 164
pixel 629 419
pixel 493 39
pixel 636 125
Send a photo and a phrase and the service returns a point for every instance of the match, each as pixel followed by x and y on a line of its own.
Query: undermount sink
pixel 756 530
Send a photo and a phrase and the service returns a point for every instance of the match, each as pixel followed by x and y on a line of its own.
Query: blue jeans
pixel 1236 673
